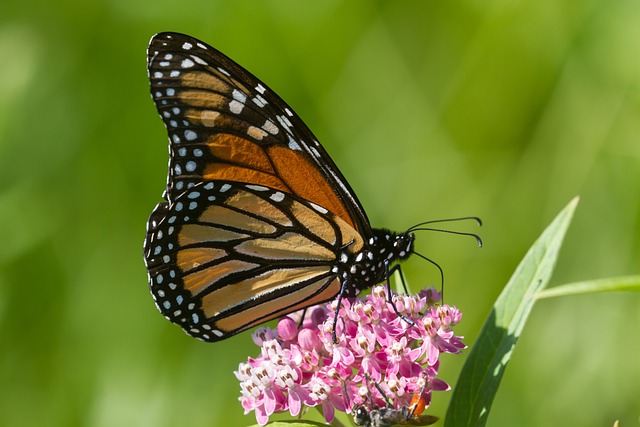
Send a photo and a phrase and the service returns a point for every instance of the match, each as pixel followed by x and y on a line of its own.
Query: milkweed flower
pixel 300 366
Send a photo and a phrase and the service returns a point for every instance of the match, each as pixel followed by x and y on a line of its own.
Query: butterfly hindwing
pixel 226 256
pixel 225 124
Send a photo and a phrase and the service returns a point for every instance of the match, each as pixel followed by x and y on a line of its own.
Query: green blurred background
pixel 432 109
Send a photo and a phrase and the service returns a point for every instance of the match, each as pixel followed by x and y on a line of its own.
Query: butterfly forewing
pixel 225 124
pixel 225 256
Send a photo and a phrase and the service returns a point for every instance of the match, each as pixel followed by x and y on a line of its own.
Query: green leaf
pixel 612 284
pixel 480 377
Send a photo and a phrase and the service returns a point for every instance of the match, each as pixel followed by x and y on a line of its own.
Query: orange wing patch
pixel 315 223
pixel 257 287
pixel 202 99
pixel 220 215
pixel 196 233
pixel 311 294
pixel 239 151
pixel 306 181
pixel 200 281
pixel 291 246
pixel 249 203
pixel 189 259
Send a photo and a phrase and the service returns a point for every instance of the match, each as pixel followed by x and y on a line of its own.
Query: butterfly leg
pixel 343 289
pixel 389 272
pixel 304 313
pixel 392 270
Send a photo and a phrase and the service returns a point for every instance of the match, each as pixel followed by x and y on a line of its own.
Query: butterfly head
pixel 391 245
pixel 361 416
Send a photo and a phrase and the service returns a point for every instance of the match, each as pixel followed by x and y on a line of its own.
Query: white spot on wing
pixel 209 117
pixel 186 63
pixel 199 60
pixel 256 187
pixel 314 152
pixel 256 133
pixel 284 122
pixel 270 127
pixel 236 107
pixel 239 96
pixel 259 101
pixel 277 196
pixel 318 208
pixel 293 144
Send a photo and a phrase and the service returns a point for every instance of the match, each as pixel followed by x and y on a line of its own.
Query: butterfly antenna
pixel 442 230
pixel 420 227
pixel 462 218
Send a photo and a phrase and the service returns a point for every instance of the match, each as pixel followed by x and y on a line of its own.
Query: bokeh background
pixel 432 109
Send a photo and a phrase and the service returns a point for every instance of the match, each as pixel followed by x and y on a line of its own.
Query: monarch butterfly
pixel 257 220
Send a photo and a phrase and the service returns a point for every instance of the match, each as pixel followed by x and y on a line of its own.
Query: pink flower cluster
pixel 300 365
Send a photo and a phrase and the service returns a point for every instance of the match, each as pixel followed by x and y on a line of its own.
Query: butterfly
pixel 257 220
pixel 389 417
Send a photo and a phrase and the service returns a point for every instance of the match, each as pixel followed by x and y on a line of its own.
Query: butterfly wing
pixel 225 256
pixel 256 212
pixel 225 124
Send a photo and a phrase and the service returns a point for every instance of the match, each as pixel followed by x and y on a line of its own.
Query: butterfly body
pixel 257 220
pixel 390 417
